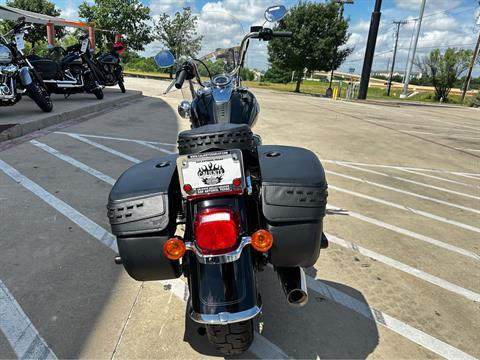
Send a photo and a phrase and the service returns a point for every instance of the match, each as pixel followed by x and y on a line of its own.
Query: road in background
pixel 401 278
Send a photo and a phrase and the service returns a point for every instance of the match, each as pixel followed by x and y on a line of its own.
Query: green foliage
pixel 38 35
pixel 476 101
pixel 444 69
pixel 277 75
pixel 320 32
pixel 179 33
pixel 142 64
pixel 247 74
pixel 128 17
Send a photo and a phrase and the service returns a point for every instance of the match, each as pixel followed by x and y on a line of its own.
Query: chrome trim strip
pixel 232 256
pixel 224 318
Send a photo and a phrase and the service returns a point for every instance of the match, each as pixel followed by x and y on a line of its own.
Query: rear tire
pixel 98 93
pixel 40 95
pixel 231 339
pixel 121 85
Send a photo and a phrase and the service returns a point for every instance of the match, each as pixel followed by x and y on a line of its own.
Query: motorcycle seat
pixel 216 136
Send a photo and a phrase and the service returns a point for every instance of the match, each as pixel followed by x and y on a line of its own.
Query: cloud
pixel 158 7
pixel 70 11
pixel 436 5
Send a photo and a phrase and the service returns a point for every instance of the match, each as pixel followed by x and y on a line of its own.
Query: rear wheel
pixel 40 95
pixel 233 338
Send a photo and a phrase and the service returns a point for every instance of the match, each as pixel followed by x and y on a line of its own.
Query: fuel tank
pixel 241 107
pixel 108 58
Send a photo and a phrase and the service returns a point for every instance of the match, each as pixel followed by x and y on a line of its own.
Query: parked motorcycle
pixel 17 75
pixel 109 69
pixel 244 206
pixel 74 73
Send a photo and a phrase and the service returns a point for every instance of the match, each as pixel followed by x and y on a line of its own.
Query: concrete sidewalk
pixel 25 116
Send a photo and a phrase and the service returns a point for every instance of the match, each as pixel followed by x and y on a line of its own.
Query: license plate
pixel 19 41
pixel 211 173
pixel 83 49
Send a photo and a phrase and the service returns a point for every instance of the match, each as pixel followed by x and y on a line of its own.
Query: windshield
pixel 222 33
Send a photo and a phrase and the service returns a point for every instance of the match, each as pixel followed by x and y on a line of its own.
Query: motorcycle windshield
pixel 221 33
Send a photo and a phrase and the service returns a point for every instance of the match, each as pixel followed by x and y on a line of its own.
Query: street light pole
pixel 404 94
pixel 370 50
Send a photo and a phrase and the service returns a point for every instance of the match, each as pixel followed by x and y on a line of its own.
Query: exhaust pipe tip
pixel 297 298
pixel 294 285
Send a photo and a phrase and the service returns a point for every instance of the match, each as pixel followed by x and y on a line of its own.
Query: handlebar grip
pixel 285 34
pixel 180 78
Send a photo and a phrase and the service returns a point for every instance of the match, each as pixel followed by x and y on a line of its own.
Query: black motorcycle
pixel 243 206
pixel 109 69
pixel 73 74
pixel 17 75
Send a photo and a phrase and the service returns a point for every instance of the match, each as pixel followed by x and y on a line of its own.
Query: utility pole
pixel 404 94
pixel 398 23
pixel 370 50
pixel 409 48
pixel 469 75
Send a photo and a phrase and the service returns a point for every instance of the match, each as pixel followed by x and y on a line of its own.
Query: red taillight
pixel 216 230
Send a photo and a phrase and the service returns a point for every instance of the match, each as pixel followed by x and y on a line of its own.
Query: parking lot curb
pixel 22 129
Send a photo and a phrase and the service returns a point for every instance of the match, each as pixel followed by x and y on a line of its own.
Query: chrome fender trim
pixel 224 318
pixel 232 256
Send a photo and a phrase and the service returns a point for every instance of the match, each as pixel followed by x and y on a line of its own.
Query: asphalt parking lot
pixel 401 278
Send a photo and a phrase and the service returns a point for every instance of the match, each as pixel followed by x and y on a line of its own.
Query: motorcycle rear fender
pixel 25 76
pixel 222 293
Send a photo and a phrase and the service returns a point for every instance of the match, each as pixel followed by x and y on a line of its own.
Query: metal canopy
pixel 10 13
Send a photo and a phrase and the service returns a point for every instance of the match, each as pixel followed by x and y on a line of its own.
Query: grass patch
pixel 320 87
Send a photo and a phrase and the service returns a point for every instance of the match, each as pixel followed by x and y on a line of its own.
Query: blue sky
pixel 222 22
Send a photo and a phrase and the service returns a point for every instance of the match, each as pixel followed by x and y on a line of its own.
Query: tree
pixel 38 34
pixel 320 33
pixel 128 17
pixel 444 69
pixel 276 74
pixel 179 33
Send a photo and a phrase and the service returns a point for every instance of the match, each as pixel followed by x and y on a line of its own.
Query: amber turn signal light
pixel 174 249
pixel 262 240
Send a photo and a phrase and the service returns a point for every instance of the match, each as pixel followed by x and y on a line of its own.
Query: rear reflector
pixel 174 249
pixel 216 231
pixel 262 240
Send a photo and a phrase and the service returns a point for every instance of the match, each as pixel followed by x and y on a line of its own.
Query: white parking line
pixel 391 323
pixel 103 147
pixel 467 149
pixel 408 180
pixel 409 209
pixel 448 136
pixel 115 138
pixel 468 294
pixel 403 191
pixel 87 225
pixel 399 167
pixel 406 232
pixel 409 124
pixel 423 339
pixel 19 331
pixel 81 220
pixel 74 162
pixel 439 178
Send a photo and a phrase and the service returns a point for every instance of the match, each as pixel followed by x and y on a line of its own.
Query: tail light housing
pixel 216 231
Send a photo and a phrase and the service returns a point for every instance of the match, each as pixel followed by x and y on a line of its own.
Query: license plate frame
pixel 211 174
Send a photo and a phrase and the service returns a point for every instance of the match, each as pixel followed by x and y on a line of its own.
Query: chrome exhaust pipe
pixel 294 285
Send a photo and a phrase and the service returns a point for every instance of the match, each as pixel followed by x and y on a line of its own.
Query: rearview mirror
pixel 275 13
pixel 164 59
